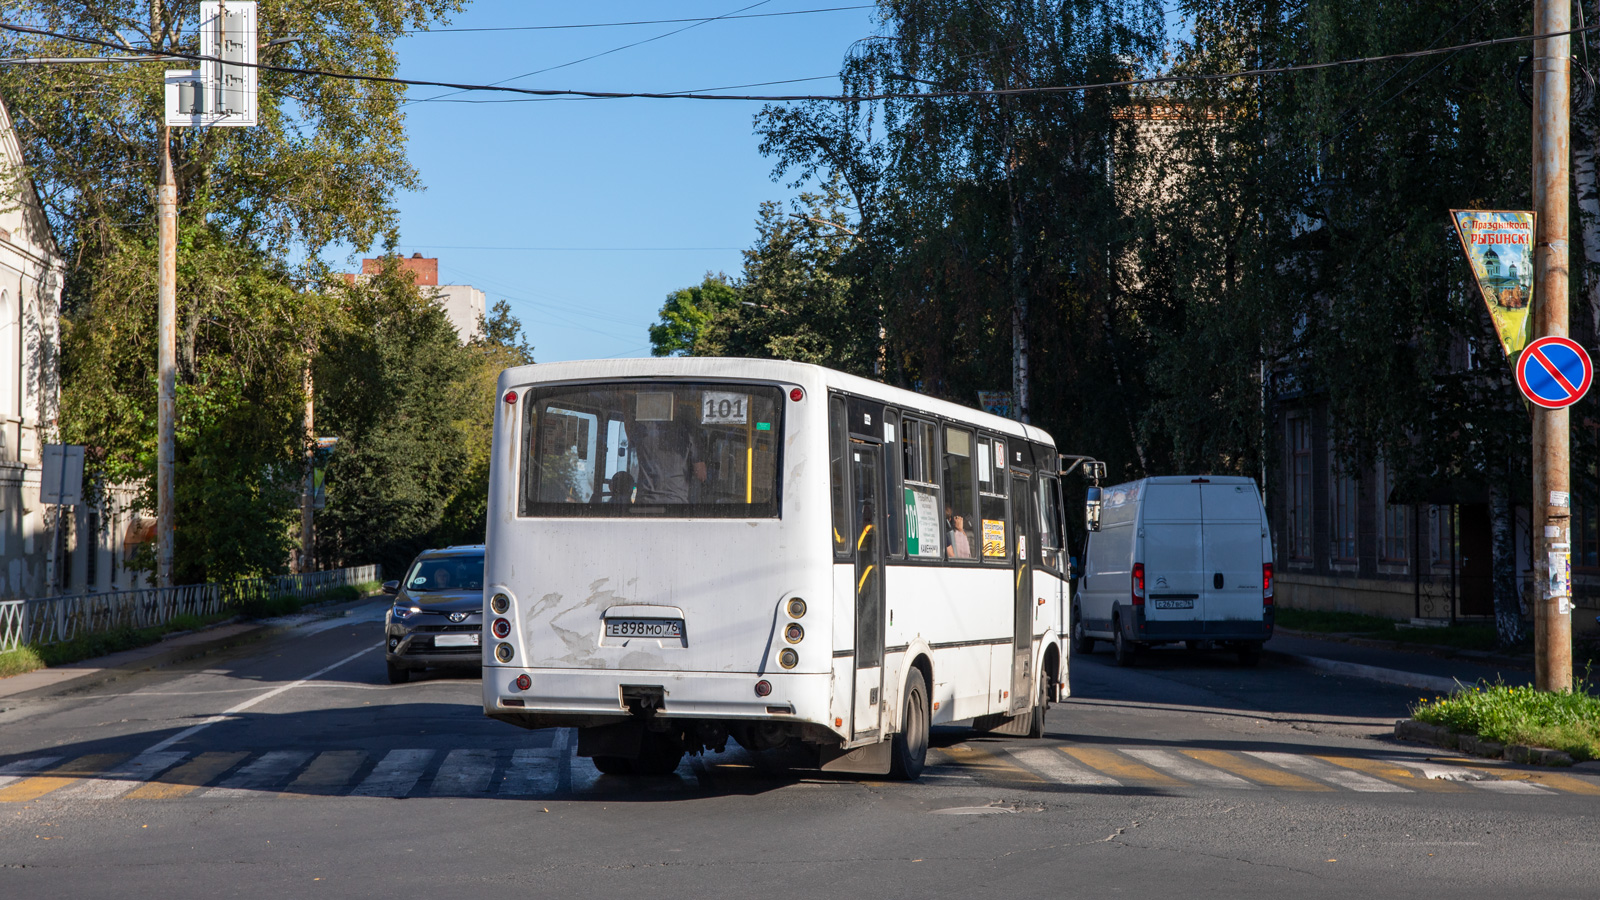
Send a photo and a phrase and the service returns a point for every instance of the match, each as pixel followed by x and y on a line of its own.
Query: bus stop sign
pixel 1554 372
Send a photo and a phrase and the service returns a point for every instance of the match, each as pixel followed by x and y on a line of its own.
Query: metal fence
pixel 49 620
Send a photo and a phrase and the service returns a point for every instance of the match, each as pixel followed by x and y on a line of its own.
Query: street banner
pixel 1499 246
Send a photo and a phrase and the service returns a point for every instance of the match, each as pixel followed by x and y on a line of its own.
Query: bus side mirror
pixel 1091 509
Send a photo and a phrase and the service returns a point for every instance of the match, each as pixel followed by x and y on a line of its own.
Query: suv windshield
pixel 694 450
pixel 445 573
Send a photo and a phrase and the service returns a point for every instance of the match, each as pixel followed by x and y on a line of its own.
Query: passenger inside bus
pixel 959 545
pixel 671 465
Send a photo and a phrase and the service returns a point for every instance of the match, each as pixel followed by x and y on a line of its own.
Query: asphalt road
pixel 291 768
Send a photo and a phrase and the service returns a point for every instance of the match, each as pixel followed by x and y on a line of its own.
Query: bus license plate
pixel 1174 604
pixel 645 628
pixel 456 640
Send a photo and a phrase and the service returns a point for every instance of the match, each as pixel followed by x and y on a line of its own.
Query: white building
pixel 31 273
pixel 36 558
pixel 462 303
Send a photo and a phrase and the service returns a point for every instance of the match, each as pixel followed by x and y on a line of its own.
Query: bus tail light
pixel 794 634
pixel 788 658
pixel 502 628
pixel 524 682
pixel 511 396
pixel 1266 584
pixel 1138 584
pixel 504 652
pixel 797 395
pixel 500 603
pixel 763 688
pixel 797 608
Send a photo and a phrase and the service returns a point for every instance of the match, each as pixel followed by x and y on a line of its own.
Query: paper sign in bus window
pixel 994 538
pixel 922 524
pixel 721 408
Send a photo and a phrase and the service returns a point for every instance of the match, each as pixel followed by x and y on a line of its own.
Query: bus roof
pixel 679 367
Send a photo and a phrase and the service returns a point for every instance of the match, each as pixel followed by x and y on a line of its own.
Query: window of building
pixel 1343 508
pixel 924 527
pixel 1393 535
pixel 961 540
pixel 1300 494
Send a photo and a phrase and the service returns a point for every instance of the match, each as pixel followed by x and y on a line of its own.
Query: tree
pixel 395 385
pixel 323 166
pixel 689 313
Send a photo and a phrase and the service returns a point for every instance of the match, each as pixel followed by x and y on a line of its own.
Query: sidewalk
pixel 1420 670
pixel 90 673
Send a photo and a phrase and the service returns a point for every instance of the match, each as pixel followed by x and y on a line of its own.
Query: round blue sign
pixel 1554 372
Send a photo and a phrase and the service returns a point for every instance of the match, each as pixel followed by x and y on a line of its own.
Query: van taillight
pixel 1138 584
pixel 1266 584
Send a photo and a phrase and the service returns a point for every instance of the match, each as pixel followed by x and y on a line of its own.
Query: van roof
pixel 1185 479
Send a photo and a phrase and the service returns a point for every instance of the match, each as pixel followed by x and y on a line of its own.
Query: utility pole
pixel 1552 508
pixel 308 492
pixel 167 360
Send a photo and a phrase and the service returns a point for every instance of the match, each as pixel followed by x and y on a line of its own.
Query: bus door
pixel 866 464
pixel 1027 548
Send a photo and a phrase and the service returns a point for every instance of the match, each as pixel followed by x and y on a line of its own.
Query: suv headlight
pixel 405 612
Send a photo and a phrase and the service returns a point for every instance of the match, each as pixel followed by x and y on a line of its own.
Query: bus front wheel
pixel 909 748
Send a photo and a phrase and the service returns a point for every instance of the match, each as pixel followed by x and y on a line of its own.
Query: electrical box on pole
pixel 222 91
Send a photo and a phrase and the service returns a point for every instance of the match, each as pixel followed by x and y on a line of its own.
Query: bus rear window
pixel 674 450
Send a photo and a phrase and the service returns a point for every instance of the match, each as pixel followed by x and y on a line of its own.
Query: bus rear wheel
pixel 909 748
pixel 659 755
pixel 613 765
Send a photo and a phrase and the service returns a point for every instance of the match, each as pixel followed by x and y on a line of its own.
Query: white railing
pixel 49 620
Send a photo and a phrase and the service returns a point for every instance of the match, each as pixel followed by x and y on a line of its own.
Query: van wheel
pixel 1082 644
pixel 1249 655
pixel 1122 650
pixel 908 751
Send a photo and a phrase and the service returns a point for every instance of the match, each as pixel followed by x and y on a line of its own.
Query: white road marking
pixel 395 775
pixel 532 771
pixel 1328 772
pixel 1189 770
pixel 1057 767
pixel 225 714
pixel 1512 787
pixel 22 768
pixel 122 778
pixel 464 772
pixel 266 773
pixel 1439 771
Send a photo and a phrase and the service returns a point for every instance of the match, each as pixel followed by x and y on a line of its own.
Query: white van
pixel 1177 558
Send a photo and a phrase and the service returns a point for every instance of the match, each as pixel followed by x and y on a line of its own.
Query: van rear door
pixel 1231 535
pixel 1173 562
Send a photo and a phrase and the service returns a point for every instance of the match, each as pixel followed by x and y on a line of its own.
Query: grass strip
pixel 1459 637
pixel 1517 714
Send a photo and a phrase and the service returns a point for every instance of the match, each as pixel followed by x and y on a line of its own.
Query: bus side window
pixel 836 472
pixel 960 540
pixel 894 508
pixel 1049 507
pixel 924 525
pixel 527 466
pixel 993 501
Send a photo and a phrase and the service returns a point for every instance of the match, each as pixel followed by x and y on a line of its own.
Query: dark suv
pixel 437 616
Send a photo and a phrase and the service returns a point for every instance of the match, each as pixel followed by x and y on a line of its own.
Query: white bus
pixel 681 550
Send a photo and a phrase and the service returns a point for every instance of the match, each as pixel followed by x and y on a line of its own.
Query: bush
pixel 22 659
pixel 1566 720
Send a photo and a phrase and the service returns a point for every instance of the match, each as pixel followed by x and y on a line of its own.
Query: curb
pixel 1436 683
pixel 1440 736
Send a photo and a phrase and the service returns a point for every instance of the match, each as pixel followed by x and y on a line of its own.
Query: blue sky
pixel 625 199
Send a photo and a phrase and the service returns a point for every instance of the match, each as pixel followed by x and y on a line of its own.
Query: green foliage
pixel 1562 720
pixel 323 166
pixel 397 386
pixel 18 661
pixel 687 317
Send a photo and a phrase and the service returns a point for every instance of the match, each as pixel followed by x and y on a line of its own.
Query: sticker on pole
pixel 1554 372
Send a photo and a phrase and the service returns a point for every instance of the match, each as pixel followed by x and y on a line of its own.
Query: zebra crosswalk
pixel 556 770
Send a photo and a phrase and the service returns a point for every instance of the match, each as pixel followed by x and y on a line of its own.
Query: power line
pixel 827 98
pixel 585 59
pixel 793 12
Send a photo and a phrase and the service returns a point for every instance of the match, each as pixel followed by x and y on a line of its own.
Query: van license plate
pixel 645 628
pixel 1174 604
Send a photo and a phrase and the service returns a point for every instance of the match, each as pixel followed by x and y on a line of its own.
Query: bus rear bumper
pixel 594 696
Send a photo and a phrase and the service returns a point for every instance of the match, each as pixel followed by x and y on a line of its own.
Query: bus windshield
pixel 682 450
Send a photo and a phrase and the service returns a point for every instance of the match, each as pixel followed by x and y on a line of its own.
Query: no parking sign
pixel 1554 372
